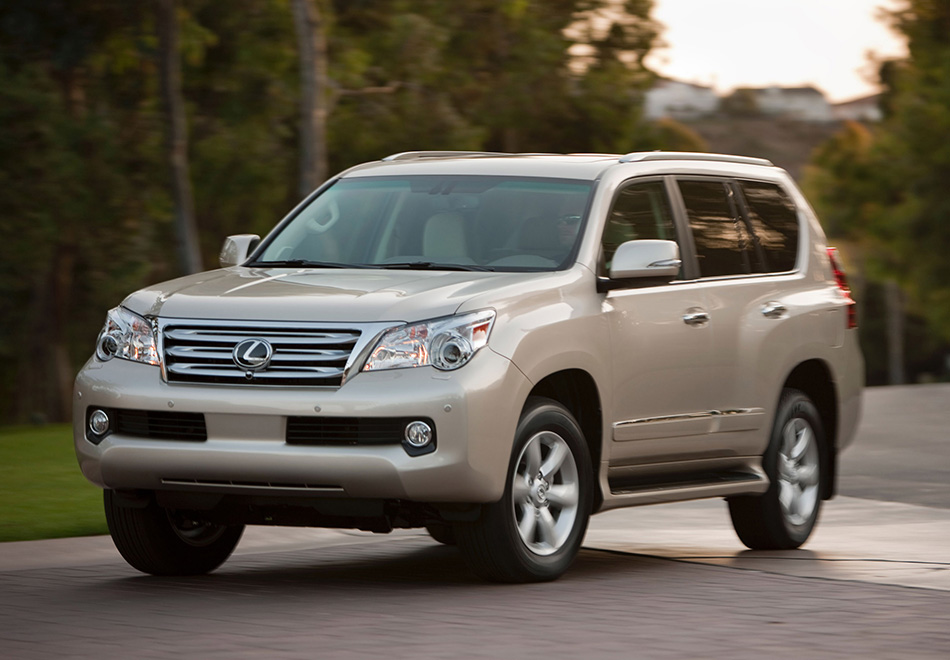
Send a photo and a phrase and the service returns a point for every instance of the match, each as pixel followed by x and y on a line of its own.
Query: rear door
pixel 746 236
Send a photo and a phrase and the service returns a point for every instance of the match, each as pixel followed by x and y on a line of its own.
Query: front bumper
pixel 475 411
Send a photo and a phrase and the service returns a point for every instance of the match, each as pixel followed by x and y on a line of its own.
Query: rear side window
pixel 774 219
pixel 641 210
pixel 723 243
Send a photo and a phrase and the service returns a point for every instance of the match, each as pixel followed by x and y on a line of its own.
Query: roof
pixel 565 166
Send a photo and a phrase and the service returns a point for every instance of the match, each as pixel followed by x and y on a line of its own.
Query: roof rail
pixel 641 156
pixel 414 155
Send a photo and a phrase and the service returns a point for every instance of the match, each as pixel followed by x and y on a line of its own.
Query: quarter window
pixel 640 211
pixel 774 219
pixel 723 244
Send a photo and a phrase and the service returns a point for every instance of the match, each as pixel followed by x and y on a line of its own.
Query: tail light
pixel 842 281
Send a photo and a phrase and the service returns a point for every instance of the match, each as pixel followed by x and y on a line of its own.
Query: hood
pixel 321 295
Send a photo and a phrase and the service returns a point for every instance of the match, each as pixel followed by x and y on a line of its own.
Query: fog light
pixel 418 434
pixel 99 422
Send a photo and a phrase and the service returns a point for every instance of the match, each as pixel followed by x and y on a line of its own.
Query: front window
pixel 438 222
pixel 640 211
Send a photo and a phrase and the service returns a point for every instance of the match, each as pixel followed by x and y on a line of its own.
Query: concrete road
pixel 668 581
pixel 903 449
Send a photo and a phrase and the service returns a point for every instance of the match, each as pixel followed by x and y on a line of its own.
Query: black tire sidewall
pixel 547 415
pixel 145 538
pixel 793 404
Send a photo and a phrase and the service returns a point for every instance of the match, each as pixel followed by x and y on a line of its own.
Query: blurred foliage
pixel 883 188
pixel 86 209
pixel 670 135
pixel 740 103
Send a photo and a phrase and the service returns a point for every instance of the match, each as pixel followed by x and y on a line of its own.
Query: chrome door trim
pixel 696 423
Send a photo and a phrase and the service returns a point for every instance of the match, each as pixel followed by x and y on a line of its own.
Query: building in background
pixel 866 109
pixel 688 102
pixel 801 103
pixel 680 100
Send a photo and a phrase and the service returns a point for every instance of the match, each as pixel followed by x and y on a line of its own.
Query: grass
pixel 43 494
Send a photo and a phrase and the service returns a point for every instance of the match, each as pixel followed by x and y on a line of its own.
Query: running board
pixel 627 490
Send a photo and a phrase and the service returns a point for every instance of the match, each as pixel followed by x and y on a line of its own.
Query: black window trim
pixel 731 182
pixel 684 237
pixel 747 214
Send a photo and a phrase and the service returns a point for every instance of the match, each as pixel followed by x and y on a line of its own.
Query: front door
pixel 660 344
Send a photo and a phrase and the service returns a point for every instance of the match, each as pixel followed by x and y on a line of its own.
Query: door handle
pixel 695 317
pixel 773 310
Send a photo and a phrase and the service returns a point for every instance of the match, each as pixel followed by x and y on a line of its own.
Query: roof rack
pixel 414 155
pixel 641 156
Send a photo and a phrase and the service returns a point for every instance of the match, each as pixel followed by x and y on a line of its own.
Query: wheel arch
pixel 814 378
pixel 576 390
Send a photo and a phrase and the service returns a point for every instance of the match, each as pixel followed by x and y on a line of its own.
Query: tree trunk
pixel 173 103
pixel 894 309
pixel 62 287
pixel 314 99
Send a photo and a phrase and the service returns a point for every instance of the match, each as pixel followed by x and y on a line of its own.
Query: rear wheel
pixel 163 542
pixel 534 532
pixel 783 517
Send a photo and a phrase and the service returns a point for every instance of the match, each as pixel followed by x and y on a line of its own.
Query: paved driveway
pixel 669 581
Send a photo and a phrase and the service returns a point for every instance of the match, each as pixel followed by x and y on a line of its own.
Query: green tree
pixel 882 189
pixel 314 93
pixel 914 152
pixel 70 160
pixel 241 81
pixel 88 210
pixel 499 75
pixel 667 134
pixel 176 139
pixel 741 103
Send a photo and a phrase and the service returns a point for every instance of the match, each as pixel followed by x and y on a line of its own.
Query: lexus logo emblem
pixel 252 354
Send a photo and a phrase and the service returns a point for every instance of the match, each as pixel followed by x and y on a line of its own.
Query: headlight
pixel 446 343
pixel 128 336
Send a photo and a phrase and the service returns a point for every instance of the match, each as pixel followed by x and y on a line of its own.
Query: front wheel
pixel 783 517
pixel 442 532
pixel 162 542
pixel 534 532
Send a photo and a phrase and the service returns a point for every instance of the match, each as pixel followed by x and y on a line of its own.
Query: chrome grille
pixel 302 355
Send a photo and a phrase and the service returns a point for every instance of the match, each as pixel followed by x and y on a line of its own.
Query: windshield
pixel 436 222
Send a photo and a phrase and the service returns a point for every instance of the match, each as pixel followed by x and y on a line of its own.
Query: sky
pixel 756 43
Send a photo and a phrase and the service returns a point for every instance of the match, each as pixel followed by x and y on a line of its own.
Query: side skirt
pixel 632 485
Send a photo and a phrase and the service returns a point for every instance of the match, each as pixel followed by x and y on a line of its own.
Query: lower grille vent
pixel 348 431
pixel 161 425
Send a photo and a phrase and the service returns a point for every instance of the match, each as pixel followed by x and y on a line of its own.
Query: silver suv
pixel 490 346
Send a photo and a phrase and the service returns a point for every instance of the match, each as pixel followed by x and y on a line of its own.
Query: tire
pixel 159 542
pixel 442 532
pixel 783 517
pixel 534 532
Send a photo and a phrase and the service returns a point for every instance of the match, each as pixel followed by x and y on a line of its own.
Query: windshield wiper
pixel 302 263
pixel 430 265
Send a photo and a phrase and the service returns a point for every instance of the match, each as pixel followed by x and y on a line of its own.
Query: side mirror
pixel 236 249
pixel 645 258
